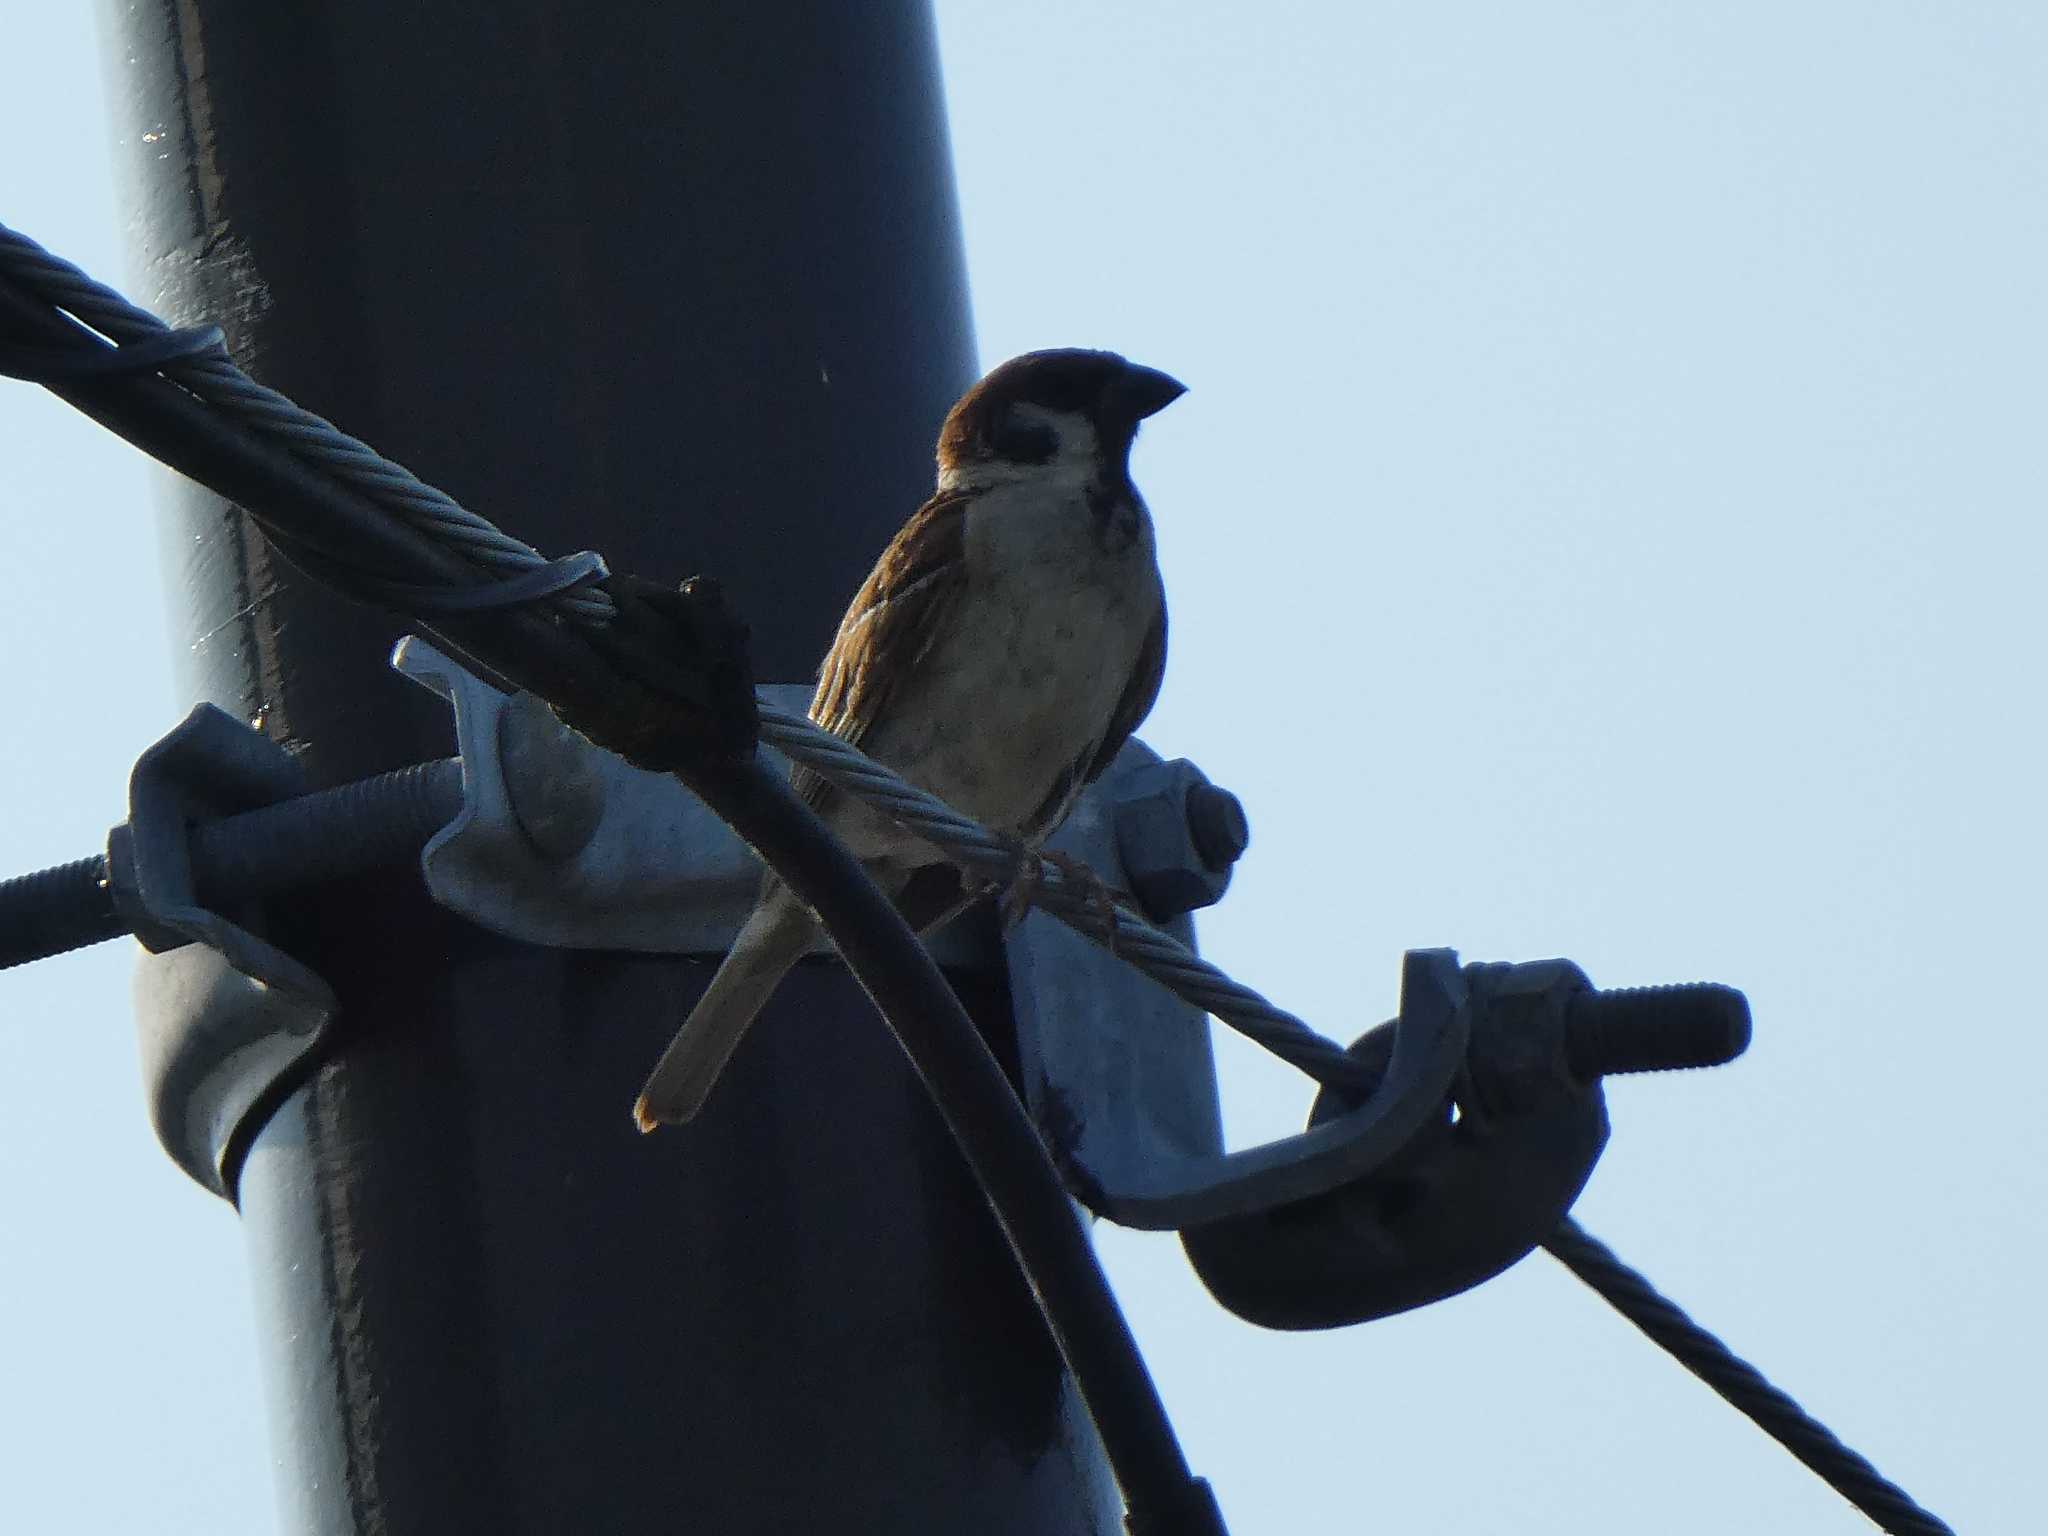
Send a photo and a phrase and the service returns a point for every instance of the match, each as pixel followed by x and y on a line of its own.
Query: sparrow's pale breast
pixel 1059 598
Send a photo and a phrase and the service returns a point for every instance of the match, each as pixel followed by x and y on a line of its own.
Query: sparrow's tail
pixel 771 941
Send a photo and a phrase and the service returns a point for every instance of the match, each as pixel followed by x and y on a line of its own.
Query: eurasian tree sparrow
pixel 1006 644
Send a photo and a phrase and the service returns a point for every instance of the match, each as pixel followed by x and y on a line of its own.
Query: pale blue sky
pixel 1605 521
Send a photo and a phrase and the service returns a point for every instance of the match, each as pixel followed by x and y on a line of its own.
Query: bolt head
pixel 1216 822
pixel 1156 810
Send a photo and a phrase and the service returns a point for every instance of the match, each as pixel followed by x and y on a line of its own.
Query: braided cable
pixel 213 377
pixel 1667 1326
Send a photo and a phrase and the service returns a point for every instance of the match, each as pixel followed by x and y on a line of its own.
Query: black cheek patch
pixel 1024 442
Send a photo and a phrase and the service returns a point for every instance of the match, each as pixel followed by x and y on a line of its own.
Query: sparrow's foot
pixel 1026 889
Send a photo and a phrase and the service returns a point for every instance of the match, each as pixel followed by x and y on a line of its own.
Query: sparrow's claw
pixel 1024 891
pixel 1027 877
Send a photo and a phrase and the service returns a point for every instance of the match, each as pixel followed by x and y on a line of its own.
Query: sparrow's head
pixel 1059 412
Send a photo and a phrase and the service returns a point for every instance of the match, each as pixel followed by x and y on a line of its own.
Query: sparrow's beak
pixel 1142 392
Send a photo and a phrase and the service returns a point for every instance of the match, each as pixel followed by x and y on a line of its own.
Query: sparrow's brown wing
pixel 890 624
pixel 1139 694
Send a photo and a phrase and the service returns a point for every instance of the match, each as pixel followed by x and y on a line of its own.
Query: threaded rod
pixel 1655 1029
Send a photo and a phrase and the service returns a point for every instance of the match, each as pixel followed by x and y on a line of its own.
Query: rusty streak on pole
pixel 683 283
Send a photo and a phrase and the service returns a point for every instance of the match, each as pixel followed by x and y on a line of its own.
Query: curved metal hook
pixel 1160 1193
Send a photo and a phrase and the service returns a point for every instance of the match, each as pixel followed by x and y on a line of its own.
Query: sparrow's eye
pixel 1024 442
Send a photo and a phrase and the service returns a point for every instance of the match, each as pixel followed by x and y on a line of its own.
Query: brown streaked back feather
pixel 890 623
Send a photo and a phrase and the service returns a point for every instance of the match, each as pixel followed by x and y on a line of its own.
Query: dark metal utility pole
pixel 683 283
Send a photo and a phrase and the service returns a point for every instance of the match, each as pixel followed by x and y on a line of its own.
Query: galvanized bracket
pixel 563 844
pixel 1489 1172
pixel 1141 1167
pixel 221 1014
pixel 1118 1072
